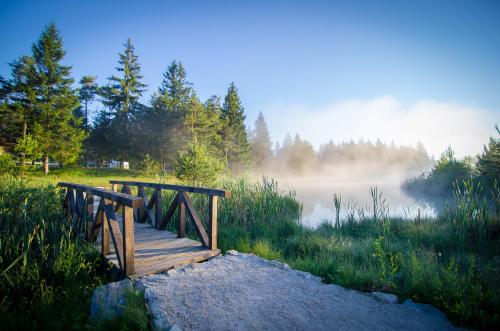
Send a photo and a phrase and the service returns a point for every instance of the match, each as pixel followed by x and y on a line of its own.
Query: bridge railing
pixel 79 208
pixel 182 202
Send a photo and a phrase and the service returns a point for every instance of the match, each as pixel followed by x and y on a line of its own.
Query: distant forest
pixel 44 116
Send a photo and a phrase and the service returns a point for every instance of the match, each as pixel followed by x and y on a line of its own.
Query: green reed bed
pixel 452 261
pixel 46 276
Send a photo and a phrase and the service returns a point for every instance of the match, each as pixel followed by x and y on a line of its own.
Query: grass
pixel 46 276
pixel 451 261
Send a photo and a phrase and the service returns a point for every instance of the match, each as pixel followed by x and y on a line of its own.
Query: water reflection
pixel 316 196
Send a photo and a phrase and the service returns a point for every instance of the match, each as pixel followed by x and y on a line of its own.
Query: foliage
pixel 28 147
pixel 86 93
pixel 46 278
pixel 197 167
pixel 236 146
pixel 438 183
pixel 448 264
pixel 56 128
pixel 7 164
pixel 260 142
pixel 488 163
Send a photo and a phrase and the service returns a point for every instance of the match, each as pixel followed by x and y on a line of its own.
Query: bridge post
pixel 181 224
pixel 128 240
pixel 212 220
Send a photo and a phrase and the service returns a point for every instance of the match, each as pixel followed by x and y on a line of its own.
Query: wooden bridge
pixel 132 228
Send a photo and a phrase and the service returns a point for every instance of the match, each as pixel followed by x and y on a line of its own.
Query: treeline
pixel 451 175
pixel 296 156
pixel 43 116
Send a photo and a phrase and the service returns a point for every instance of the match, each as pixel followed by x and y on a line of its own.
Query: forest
pixel 45 115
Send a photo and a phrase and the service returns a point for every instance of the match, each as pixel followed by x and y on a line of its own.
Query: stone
pixel 232 252
pixel 109 301
pixel 385 297
pixel 426 308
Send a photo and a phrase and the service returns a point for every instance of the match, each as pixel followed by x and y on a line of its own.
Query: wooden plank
pixel 212 220
pixel 114 231
pixel 90 215
pixel 179 188
pixel 128 240
pixel 200 230
pixel 170 212
pixel 105 241
pixel 140 211
pixel 122 198
pixel 158 208
pixel 181 219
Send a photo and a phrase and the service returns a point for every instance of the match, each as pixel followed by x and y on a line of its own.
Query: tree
pixel 167 117
pixel 260 142
pixel 56 128
pixel 234 135
pixel 197 167
pixel 28 148
pixel 18 110
pixel 488 163
pixel 122 98
pixel 86 93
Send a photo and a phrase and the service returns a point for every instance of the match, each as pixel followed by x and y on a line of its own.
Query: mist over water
pixel 316 193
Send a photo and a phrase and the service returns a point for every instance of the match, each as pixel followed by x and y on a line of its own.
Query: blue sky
pixel 309 55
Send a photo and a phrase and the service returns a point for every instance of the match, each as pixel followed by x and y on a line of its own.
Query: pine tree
pixel 122 98
pixel 19 101
pixel 260 142
pixel 234 135
pixel 56 128
pixel 86 93
pixel 166 118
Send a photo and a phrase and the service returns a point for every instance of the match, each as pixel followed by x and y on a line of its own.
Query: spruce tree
pixel 56 128
pixel 260 142
pixel 166 118
pixel 234 135
pixel 122 98
pixel 86 93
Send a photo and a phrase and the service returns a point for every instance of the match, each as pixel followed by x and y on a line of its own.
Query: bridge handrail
pixel 124 199
pixel 178 188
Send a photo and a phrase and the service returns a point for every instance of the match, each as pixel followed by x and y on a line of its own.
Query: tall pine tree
pixel 122 99
pixel 86 93
pixel 234 135
pixel 260 142
pixel 56 128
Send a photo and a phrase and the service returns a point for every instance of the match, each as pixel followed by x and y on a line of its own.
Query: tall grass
pixel 46 276
pixel 450 261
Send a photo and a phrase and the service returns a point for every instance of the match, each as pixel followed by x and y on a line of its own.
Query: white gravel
pixel 243 292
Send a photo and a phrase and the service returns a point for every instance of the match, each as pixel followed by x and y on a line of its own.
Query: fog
pixel 348 170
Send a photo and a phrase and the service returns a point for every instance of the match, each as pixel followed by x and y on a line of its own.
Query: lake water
pixel 316 195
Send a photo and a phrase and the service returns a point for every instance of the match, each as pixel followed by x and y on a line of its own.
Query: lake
pixel 316 195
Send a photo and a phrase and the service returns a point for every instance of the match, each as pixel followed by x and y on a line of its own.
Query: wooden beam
pixel 170 212
pixel 105 241
pixel 181 219
pixel 200 230
pixel 114 231
pixel 89 210
pixel 179 188
pixel 128 241
pixel 122 198
pixel 212 220
pixel 158 208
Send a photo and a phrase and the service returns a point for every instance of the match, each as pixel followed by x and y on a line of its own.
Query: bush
pixel 7 164
pixel 197 167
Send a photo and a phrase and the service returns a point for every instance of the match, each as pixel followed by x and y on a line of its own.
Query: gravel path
pixel 243 292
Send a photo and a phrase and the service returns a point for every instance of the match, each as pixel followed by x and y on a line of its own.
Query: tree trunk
pixel 46 164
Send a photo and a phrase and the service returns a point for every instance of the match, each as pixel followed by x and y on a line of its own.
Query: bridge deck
pixel 157 251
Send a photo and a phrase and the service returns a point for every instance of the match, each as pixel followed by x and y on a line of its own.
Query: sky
pixel 404 71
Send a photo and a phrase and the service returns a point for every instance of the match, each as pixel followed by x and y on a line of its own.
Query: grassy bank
pixel 452 262
pixel 46 276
